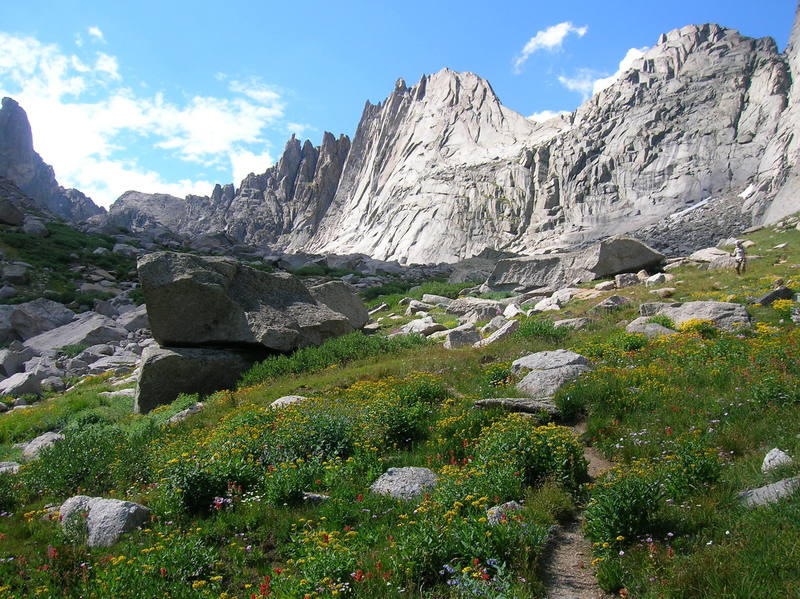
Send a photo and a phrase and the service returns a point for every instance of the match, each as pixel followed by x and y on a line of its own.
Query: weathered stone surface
pixel 464 305
pixel 723 314
pixel 169 371
pixel 512 310
pixel 494 324
pixel 656 279
pixel 193 409
pixel 38 316
pixel 499 513
pixel 573 323
pixel 135 319
pixel 103 520
pixel 504 332
pixel 436 300
pixel 611 303
pixel 9 467
pixel 287 400
pixel 781 292
pixel 342 298
pixel 545 383
pixel 461 337
pixel 88 328
pixel 546 360
pixel 21 383
pixel 416 307
pixel 31 449
pixel 606 286
pixel 643 326
pixel 526 405
pixel 769 493
pixel 405 483
pixel 626 279
pixel 775 458
pixel 422 326
pixel 607 258
pixel 13 358
pixel 196 301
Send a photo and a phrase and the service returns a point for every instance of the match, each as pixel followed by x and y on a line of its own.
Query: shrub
pixel 540 329
pixel 353 346
pixel 8 496
pixel 663 320
pixel 699 326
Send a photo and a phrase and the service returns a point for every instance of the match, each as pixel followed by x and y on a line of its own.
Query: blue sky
pixel 174 96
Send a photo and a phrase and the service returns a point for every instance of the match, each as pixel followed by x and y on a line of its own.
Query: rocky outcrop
pixel 25 168
pixel 698 134
pixel 726 315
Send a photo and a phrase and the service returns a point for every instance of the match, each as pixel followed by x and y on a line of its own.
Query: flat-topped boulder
pixel 464 305
pixel 38 316
pixel 643 326
pixel 769 493
pixel 724 315
pixel 607 258
pixel 546 360
pixel 211 301
pixel 32 448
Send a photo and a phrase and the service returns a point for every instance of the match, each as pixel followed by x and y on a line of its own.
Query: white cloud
pixel 627 61
pixel 95 32
pixel 549 39
pixel 79 109
pixel 245 162
pixel 546 115
pixel 582 82
pixel 588 82
pixel 107 64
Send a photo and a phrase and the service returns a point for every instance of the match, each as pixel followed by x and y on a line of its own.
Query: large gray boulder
pixel 549 371
pixel 13 358
pixel 342 298
pixel 89 328
pixel 38 316
pixel 209 301
pixel 607 258
pixel 103 521
pixel 725 315
pixel 421 326
pixel 32 448
pixel 168 371
pixel 405 483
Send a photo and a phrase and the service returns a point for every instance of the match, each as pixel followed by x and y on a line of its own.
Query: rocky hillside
pixel 25 168
pixel 441 170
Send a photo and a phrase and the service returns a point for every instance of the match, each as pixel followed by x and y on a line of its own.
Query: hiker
pixel 740 257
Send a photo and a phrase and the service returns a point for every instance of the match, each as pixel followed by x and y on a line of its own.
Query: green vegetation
pixel 686 419
pixel 334 352
pixel 52 258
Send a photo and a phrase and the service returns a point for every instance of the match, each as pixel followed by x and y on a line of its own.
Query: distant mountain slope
pixel 441 170
pixel 25 168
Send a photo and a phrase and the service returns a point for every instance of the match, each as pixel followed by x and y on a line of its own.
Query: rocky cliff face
pixel 25 168
pixel 441 170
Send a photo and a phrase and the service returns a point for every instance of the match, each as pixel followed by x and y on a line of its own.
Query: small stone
pixel 774 459
pixel 405 483
pixel 287 400
pixel 769 493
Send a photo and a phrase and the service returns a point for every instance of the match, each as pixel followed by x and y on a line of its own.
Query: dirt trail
pixel 567 569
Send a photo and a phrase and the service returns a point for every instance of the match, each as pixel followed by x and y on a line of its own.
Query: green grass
pixel 686 418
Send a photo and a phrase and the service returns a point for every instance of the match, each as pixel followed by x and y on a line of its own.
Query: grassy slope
pixel 701 544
